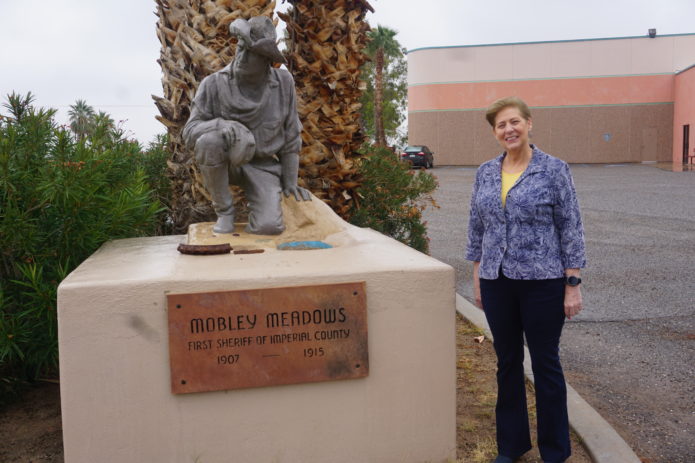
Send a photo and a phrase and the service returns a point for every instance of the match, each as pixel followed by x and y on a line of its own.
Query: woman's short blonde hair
pixel 499 105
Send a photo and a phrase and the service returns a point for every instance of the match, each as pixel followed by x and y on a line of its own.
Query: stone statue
pixel 244 130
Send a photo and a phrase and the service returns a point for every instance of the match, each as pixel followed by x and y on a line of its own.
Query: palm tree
pixel 104 119
pixel 325 50
pixel 195 42
pixel 19 105
pixel 103 128
pixel 81 118
pixel 382 46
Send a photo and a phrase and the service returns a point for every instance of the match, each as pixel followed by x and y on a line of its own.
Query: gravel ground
pixel 631 352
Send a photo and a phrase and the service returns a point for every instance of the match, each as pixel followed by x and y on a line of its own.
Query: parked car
pixel 419 156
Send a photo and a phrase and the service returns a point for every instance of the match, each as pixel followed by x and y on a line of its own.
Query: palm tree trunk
pixel 379 98
pixel 325 53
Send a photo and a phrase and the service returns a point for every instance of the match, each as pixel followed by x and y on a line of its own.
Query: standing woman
pixel 526 241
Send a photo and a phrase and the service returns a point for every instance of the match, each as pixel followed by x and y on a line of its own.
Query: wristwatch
pixel 572 281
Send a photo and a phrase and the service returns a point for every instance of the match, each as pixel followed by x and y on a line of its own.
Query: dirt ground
pixel 30 430
pixel 476 394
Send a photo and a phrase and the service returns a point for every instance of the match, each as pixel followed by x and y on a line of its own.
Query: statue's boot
pixel 224 224
pixel 216 180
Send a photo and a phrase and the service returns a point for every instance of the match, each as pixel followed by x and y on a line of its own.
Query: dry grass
pixel 476 396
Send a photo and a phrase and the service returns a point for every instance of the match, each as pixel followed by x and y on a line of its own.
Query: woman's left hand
pixel 573 301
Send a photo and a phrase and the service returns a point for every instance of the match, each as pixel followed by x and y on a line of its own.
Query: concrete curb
pixel 602 442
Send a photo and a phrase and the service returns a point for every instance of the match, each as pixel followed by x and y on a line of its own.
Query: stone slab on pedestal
pixel 117 404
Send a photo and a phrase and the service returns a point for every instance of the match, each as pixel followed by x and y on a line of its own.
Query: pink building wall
pixel 586 91
pixel 593 101
pixel 683 113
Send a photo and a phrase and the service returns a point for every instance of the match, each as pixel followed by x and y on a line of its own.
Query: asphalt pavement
pixel 631 352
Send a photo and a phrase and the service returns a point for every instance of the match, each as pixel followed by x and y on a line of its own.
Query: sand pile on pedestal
pixel 304 220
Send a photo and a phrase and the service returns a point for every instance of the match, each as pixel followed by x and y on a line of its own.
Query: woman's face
pixel 511 129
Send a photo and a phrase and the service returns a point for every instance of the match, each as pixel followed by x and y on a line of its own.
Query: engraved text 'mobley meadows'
pixel 272 320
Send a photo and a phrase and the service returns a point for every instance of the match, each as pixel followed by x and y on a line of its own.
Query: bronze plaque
pixel 265 337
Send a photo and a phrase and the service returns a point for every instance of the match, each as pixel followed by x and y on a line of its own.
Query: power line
pixel 108 105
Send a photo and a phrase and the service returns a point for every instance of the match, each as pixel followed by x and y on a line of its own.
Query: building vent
pixel 652 33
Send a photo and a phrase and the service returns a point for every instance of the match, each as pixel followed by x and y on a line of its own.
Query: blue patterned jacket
pixel 538 234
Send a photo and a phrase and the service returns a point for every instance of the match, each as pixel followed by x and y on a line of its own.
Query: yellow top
pixel 508 180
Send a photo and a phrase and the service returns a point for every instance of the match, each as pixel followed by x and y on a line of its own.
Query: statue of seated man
pixel 244 130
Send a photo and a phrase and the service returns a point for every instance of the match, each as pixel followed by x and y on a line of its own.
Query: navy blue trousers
pixel 534 308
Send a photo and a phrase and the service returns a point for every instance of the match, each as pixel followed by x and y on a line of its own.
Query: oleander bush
pixel 392 197
pixel 61 197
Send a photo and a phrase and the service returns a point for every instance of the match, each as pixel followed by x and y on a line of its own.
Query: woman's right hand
pixel 476 285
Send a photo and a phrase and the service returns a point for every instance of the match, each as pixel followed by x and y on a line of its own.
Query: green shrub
pixel 392 197
pixel 60 199
pixel 153 161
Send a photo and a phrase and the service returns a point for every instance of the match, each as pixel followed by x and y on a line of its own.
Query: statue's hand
pixel 300 194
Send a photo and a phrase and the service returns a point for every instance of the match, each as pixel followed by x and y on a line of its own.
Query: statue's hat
pixel 259 36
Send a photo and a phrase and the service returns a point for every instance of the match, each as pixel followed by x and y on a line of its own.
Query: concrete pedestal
pixel 117 404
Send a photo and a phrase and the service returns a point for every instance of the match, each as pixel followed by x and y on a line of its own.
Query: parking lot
pixel 631 352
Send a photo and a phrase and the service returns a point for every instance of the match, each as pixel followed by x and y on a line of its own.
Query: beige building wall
pixel 542 60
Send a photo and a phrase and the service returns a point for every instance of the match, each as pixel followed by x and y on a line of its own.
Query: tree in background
pixel 393 197
pixel 384 101
pixel 18 106
pixel 97 129
pixel 325 50
pixel 154 164
pixel 103 128
pixel 81 118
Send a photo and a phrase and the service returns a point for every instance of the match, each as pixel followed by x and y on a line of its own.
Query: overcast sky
pixel 105 51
